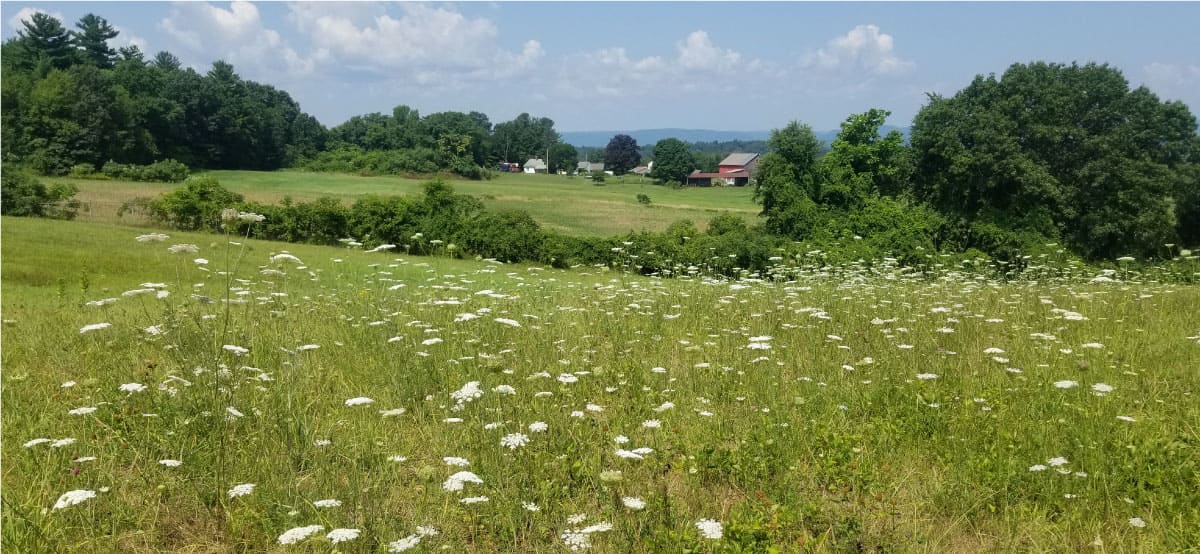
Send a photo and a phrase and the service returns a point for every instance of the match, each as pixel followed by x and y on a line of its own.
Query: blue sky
pixel 623 66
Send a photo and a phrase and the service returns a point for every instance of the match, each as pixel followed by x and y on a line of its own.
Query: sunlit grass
pixel 848 409
pixel 570 205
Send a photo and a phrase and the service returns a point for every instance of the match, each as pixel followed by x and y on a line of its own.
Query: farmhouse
pixel 735 170
pixel 535 165
pixel 588 167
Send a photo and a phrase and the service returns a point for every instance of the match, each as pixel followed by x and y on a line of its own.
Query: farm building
pixel 735 170
pixel 588 167
pixel 535 165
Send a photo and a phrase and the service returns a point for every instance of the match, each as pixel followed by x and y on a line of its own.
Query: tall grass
pixel 836 410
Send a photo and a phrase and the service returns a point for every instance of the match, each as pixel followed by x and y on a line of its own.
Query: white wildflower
pixel 514 440
pixel 710 529
pixel 241 490
pixel 94 327
pixel 297 534
pixel 71 498
pixel 342 535
pixel 457 481
pixel 236 350
pixel 406 543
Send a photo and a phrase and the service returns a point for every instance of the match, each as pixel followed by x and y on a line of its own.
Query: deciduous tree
pixel 621 154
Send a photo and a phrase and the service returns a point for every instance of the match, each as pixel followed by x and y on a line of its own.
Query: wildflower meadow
pixel 209 393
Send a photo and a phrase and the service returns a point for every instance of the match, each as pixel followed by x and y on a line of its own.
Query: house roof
pixel 738 158
pixel 591 166
pixel 728 174
pixel 640 170
pixel 535 163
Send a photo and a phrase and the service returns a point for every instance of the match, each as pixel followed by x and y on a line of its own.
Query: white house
pixel 535 165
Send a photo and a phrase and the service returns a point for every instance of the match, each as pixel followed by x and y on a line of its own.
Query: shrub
pixel 508 236
pixel 643 199
pixel 164 171
pixel 195 205
pixel 352 159
pixel 85 171
pixel 24 195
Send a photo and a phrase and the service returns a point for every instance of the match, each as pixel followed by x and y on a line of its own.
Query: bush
pixel 164 171
pixel 195 205
pixel 352 159
pixel 86 171
pixel 24 195
pixel 509 236
pixel 643 199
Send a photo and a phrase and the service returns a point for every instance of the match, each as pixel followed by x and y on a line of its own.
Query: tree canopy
pixel 673 161
pixel 1064 151
pixel 621 154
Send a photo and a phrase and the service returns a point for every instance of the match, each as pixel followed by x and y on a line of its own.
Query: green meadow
pixel 564 204
pixel 206 393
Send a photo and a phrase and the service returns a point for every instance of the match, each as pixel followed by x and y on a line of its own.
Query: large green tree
pixel 563 157
pixel 788 180
pixel 523 138
pixel 1060 151
pixel 92 38
pixel 673 161
pixel 621 154
pixel 861 163
pixel 46 41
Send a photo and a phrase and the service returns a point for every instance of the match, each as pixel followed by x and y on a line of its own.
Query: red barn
pixel 735 170
pixel 738 162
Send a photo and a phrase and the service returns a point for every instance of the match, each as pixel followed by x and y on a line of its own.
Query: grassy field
pixel 228 404
pixel 571 205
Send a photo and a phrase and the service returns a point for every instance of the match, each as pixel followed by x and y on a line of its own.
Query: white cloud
pixel 698 52
pixel 1172 75
pixel 23 14
pixel 430 44
pixel 1174 81
pixel 236 35
pixel 698 64
pixel 125 38
pixel 863 48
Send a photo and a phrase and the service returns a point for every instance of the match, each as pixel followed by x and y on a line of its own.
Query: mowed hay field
pixel 232 397
pixel 570 205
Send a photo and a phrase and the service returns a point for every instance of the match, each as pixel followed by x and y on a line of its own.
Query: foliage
pixel 92 38
pixel 195 205
pixel 861 163
pixel 673 161
pixel 164 171
pixel 1060 150
pixel 788 176
pixel 621 154
pixel 523 138
pixel 643 199
pixel 69 99
pixel 352 159
pixel 25 195
pixel 563 157
pixel 508 236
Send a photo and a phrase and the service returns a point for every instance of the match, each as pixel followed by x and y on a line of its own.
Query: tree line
pixel 1044 154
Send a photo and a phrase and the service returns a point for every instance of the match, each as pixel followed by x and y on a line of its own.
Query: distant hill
pixel 599 139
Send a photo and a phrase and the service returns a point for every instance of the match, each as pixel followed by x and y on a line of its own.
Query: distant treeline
pixel 1045 154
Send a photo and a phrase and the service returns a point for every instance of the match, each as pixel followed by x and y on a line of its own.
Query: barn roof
pixel 738 158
